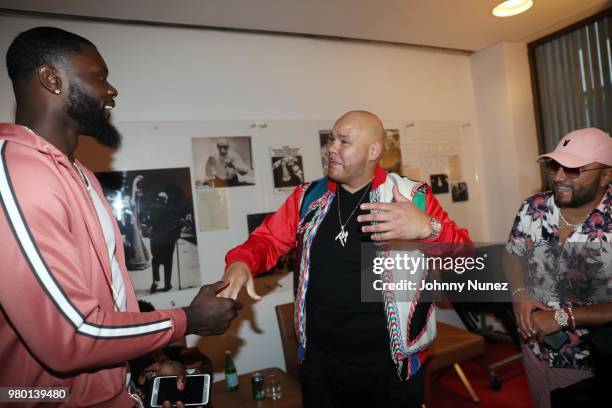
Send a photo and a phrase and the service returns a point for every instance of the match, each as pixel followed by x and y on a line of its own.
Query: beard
pixel 580 195
pixel 89 116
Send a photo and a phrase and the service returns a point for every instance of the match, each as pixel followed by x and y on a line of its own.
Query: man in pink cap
pixel 565 236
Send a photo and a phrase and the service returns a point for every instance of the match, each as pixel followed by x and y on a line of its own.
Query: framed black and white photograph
pixel 154 210
pixel 220 162
pixel 459 191
pixel 287 167
pixel 439 183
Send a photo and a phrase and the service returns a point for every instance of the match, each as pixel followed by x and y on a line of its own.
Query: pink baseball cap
pixel 581 147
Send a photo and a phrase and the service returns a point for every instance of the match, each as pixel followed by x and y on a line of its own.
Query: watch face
pixel 435 226
pixel 435 223
pixel 561 317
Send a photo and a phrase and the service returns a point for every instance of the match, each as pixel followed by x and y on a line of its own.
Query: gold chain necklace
pixel 572 226
pixel 343 234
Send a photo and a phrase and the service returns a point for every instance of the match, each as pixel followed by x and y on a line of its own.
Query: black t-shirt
pixel 337 321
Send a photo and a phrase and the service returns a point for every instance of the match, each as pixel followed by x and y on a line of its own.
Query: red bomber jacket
pixel 277 234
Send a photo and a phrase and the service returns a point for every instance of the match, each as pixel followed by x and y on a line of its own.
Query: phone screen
pixel 194 393
pixel 556 340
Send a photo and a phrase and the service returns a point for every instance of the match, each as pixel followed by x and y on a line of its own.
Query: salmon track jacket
pixel 58 324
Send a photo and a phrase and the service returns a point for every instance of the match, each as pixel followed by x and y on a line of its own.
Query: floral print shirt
pixel 577 273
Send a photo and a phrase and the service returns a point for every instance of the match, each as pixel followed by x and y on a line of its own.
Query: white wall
pixel 506 132
pixel 178 74
pixel 167 74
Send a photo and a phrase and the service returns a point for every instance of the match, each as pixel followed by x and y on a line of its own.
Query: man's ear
pixel 375 151
pixel 50 79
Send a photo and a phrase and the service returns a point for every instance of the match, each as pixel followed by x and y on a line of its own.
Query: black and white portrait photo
pixel 439 183
pixel 154 210
pixel 460 191
pixel 222 162
pixel 287 167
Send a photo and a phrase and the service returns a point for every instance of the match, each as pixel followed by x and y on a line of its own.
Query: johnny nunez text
pixel 470 285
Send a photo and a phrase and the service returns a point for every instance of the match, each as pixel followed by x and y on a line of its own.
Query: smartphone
pixel 556 340
pixel 196 390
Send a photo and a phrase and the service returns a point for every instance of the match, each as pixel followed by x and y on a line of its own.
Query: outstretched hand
pixel 398 220
pixel 208 314
pixel 237 276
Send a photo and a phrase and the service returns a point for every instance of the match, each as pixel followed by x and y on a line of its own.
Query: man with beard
pixel 565 236
pixel 69 313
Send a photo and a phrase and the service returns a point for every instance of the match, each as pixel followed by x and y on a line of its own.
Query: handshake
pixel 215 305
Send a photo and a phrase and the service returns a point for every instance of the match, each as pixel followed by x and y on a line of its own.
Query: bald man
pixel 352 358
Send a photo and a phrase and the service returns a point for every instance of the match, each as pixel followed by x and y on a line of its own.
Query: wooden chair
pixel 451 347
pixel 284 315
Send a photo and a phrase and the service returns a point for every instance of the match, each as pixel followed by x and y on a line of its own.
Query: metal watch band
pixel 436 228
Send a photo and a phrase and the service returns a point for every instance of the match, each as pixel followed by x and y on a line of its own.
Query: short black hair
pixel 40 46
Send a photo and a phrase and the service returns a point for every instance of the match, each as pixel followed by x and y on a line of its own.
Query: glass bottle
pixel 231 377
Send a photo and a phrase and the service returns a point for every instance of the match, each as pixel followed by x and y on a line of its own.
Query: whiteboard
pixel 428 145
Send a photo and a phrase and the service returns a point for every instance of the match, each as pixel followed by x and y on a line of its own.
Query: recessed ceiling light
pixel 512 8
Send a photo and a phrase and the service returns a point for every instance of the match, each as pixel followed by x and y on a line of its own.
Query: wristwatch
pixel 436 228
pixel 562 318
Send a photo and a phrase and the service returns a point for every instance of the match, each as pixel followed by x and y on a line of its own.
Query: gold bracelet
pixel 572 322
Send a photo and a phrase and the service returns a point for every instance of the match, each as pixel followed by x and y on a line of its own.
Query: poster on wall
pixel 439 183
pixel 285 263
pixel 287 168
pixel 154 210
pixel 212 210
pixel 390 161
pixel 220 162
pixel 459 191
pixel 454 167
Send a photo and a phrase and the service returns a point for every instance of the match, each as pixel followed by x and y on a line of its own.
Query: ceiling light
pixel 512 8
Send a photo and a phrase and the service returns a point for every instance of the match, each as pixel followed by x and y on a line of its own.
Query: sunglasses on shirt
pixel 552 167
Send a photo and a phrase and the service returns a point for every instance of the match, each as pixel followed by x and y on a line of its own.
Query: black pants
pixel 166 262
pixel 162 255
pixel 330 383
